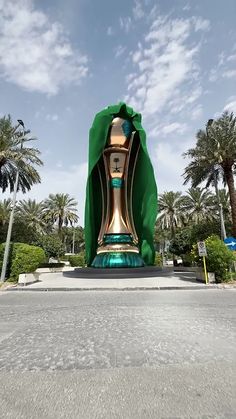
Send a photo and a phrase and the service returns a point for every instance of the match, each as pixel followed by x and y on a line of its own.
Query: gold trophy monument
pixel 117 243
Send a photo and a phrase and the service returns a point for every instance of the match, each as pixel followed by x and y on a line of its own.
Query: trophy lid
pixel 121 130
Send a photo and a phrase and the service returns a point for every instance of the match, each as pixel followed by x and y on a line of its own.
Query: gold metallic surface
pixel 117 201
pixel 117 136
pixel 135 237
pixel 117 248
pixel 128 199
pixel 116 159
pixel 101 233
pixel 117 223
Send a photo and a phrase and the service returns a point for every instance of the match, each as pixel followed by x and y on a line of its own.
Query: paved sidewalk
pixel 56 281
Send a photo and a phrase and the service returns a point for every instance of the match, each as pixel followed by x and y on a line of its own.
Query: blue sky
pixel 62 62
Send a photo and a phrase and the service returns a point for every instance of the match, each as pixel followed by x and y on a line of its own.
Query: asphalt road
pixel 136 354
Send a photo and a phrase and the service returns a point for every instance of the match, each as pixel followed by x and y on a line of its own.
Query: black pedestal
pixel 116 273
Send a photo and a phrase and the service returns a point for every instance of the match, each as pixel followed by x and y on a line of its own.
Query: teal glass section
pixel 117 182
pixel 117 238
pixel 118 260
pixel 127 128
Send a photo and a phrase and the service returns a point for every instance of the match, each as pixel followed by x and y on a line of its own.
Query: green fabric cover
pixel 144 188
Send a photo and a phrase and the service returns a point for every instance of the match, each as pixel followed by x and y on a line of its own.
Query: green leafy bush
pixel 52 245
pixel 65 258
pixel 187 260
pixel 77 260
pixel 27 259
pixel 52 265
pixel 181 244
pixel 158 260
pixel 12 253
pixel 219 257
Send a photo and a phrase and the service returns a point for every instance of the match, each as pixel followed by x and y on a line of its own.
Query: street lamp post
pixel 222 223
pixel 8 239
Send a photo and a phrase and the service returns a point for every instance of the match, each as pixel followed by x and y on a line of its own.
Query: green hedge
pixel 26 259
pixel 65 258
pixel 219 258
pixel 11 256
pixel 77 260
pixel 52 265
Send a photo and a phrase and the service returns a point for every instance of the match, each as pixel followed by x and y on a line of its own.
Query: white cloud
pixel 196 112
pixel 52 117
pixel 169 166
pixel 110 31
pixel 125 23
pixel 138 11
pixel 174 127
pixel 229 74
pixel 213 76
pixel 166 65
pixel 231 107
pixel 168 129
pixel 224 68
pixel 119 50
pixel 35 53
pixel 186 8
pixel 201 24
pixel 231 57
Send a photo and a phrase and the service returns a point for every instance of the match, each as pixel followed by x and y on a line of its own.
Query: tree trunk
pixel 232 195
pixel 60 223
pixel 2 162
pixel 172 228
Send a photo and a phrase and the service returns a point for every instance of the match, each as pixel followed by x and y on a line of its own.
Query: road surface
pixel 118 354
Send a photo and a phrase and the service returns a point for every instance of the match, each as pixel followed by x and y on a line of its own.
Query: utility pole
pixel 8 239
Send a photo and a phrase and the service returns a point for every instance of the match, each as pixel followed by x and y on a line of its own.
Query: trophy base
pixel 118 260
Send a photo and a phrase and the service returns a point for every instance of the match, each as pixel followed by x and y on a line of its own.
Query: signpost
pixel 230 243
pixel 203 253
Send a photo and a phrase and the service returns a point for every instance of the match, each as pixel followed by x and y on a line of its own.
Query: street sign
pixel 230 243
pixel 202 249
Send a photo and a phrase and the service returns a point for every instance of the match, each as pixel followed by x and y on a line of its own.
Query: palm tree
pixel 170 210
pixel 198 204
pixel 15 158
pixel 5 210
pixel 224 201
pixel 215 151
pixel 61 209
pixel 32 214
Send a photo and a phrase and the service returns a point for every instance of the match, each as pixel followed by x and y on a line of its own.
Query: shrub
pixel 219 257
pixel 52 265
pixel 27 259
pixel 65 257
pixel 77 260
pixel 158 260
pixel 12 253
pixel 181 244
pixel 187 260
pixel 52 245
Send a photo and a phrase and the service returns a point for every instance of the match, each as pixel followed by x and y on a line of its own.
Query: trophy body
pixel 117 240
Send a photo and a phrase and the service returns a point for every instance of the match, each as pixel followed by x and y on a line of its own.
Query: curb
pixel 173 288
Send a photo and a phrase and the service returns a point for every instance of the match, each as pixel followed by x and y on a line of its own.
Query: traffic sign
pixel 230 243
pixel 202 249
